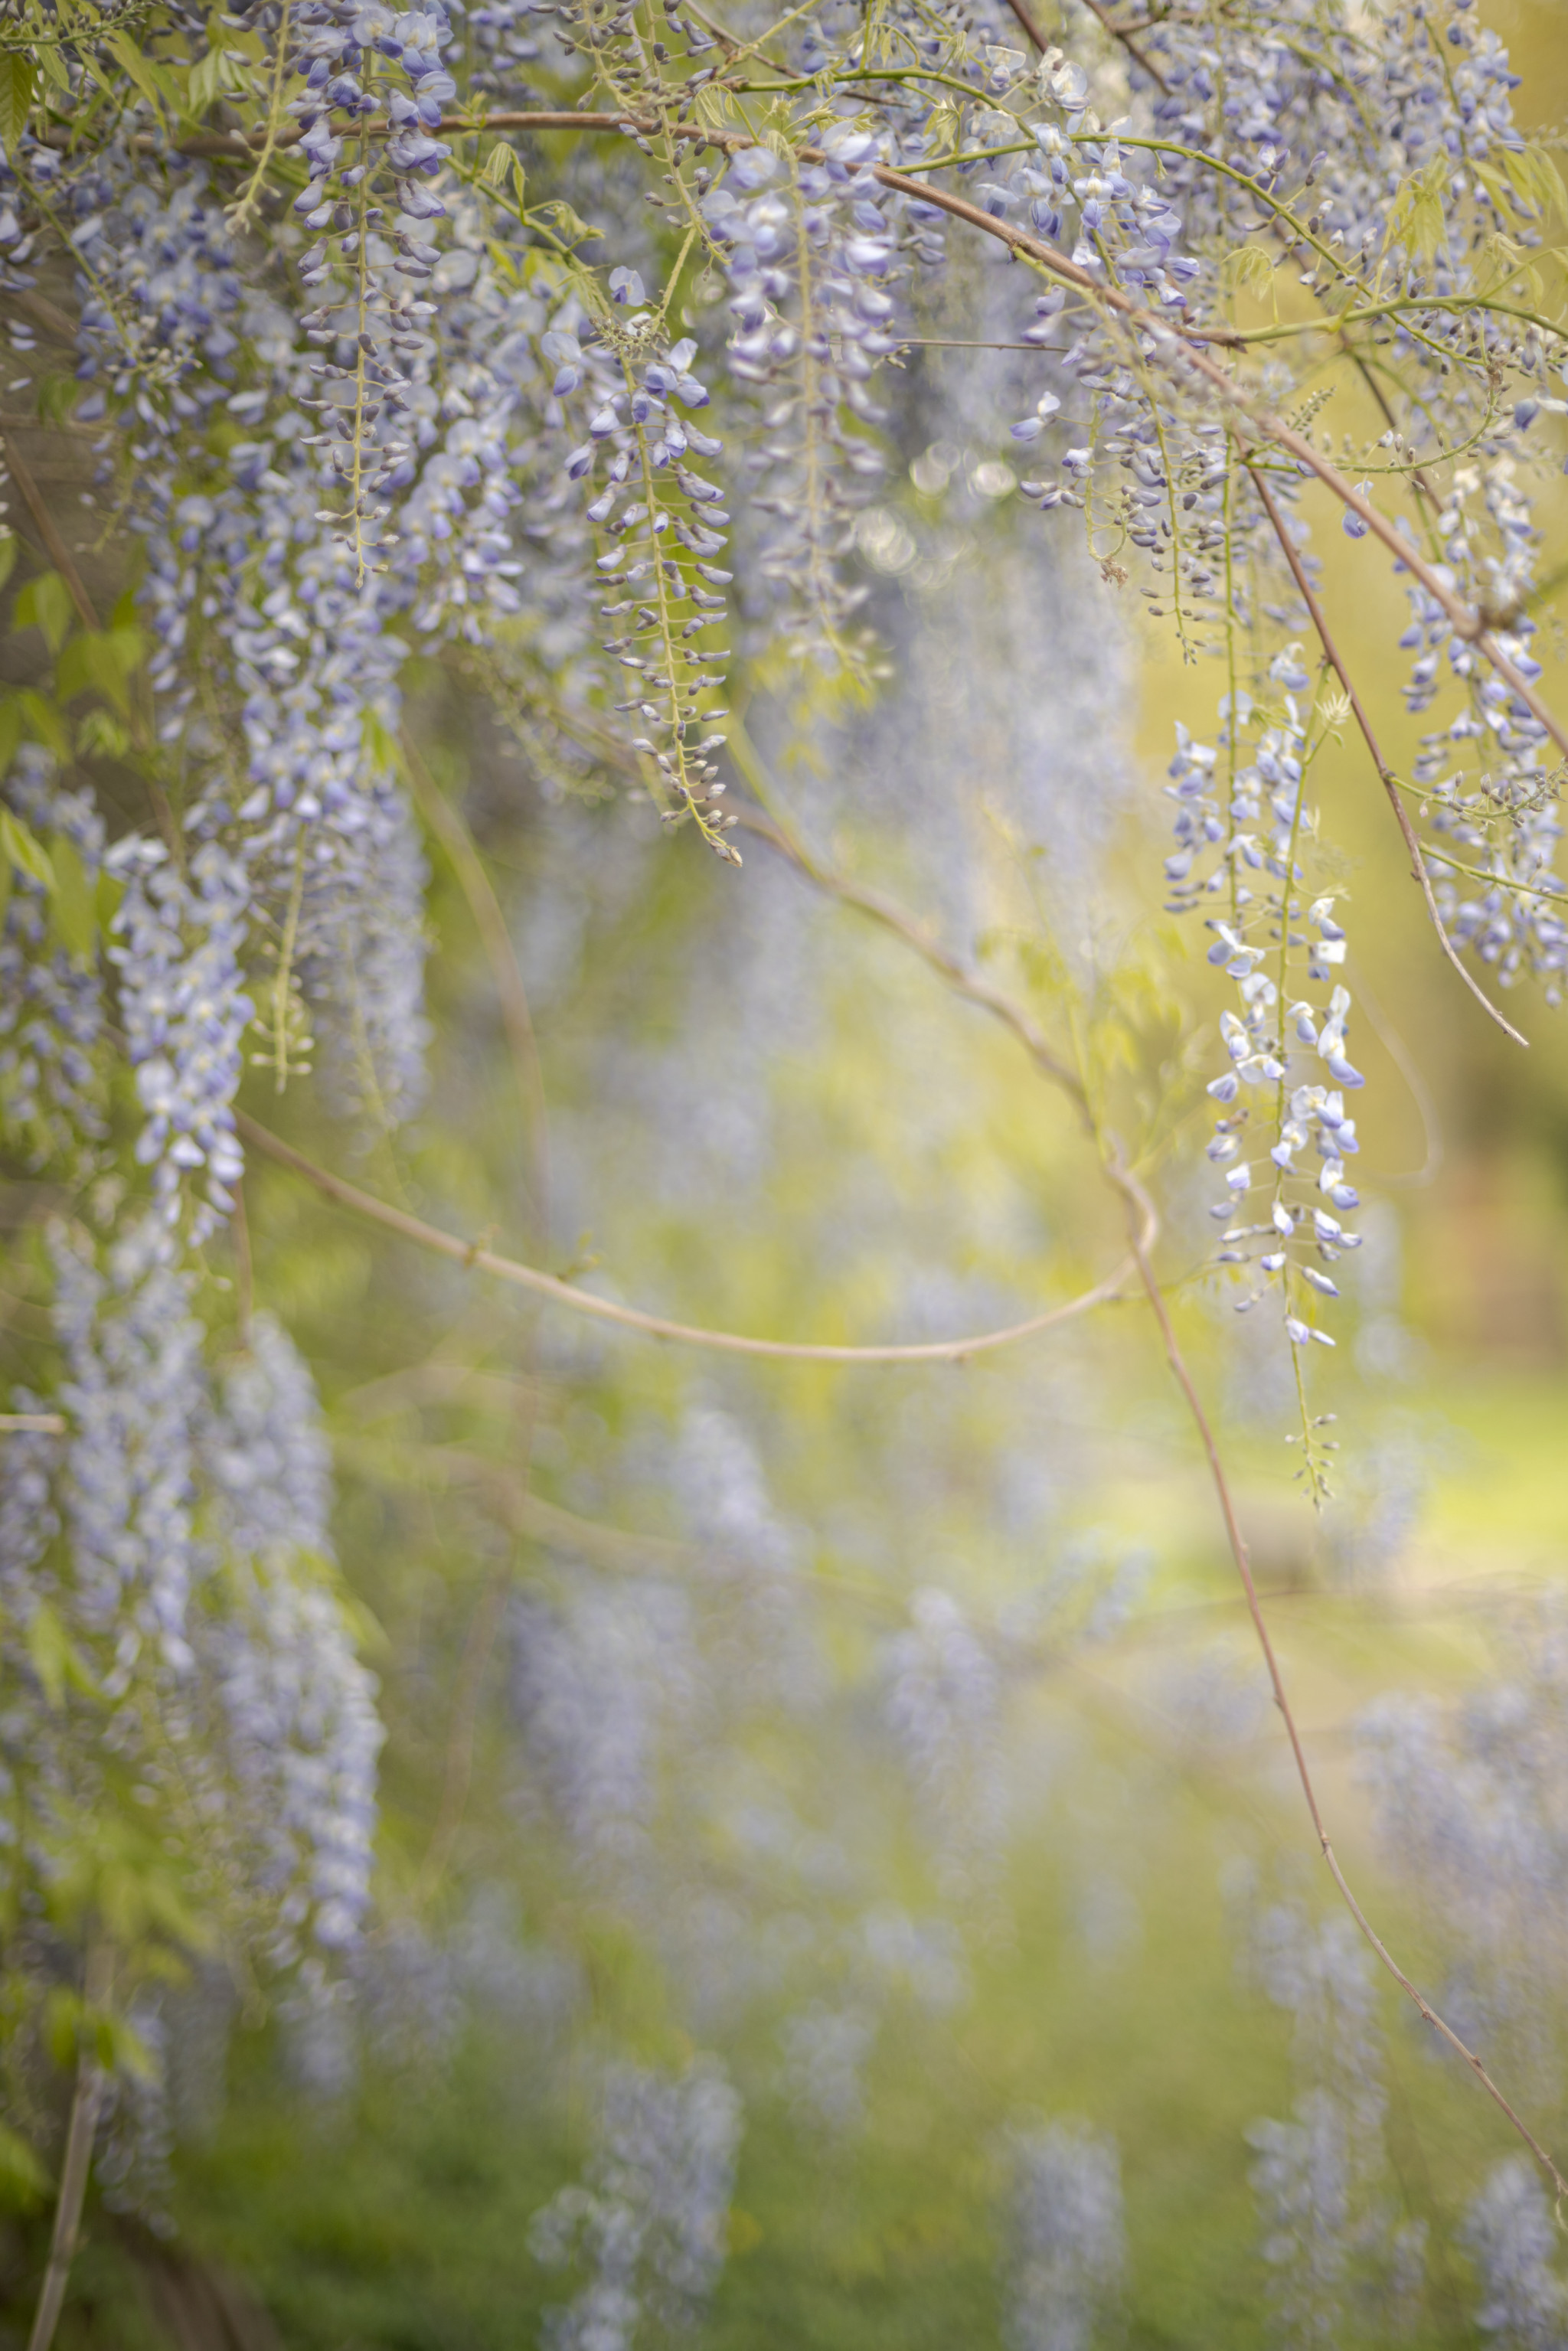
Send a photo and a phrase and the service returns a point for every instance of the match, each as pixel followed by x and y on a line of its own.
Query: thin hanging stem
pixel 1142 1227
pixel 1385 775
pixel 1137 1201
pixel 87 2101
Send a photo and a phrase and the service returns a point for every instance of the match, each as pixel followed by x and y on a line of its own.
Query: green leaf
pixel 1418 217
pixel 129 58
pixel 74 675
pixel 21 849
pixel 569 225
pixel 715 106
pixel 7 555
pixel 53 1657
pixel 226 69
pixel 49 60
pixel 75 911
pixel 1536 178
pixel 380 746
pixel 102 661
pixel 507 263
pixel 208 78
pixel 63 2013
pixel 120 2048
pixel 56 397
pixel 16 97
pixel 46 723
pixel 101 731
pixel 1249 268
pixel 10 731
pixel 45 603
pixel 22 2179
pixel 107 894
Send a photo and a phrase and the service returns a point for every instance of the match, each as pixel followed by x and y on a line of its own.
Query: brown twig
pixel 45 1423
pixel 1097 8
pixel 10 423
pixel 1137 1199
pixel 53 544
pixel 86 2101
pixel 1385 775
pixel 1031 30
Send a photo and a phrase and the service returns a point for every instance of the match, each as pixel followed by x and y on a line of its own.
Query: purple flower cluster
pixel 52 1013
pixel 1510 2232
pixel 664 524
pixel 1466 1800
pixel 180 940
pixel 594 1687
pixel 297 1708
pixel 813 261
pixel 372 207
pixel 1242 849
pixel 943 1699
pixel 131 1392
pixel 648 2228
pixel 1067 2250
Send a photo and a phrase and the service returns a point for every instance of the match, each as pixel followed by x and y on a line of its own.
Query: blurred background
pixel 886 1749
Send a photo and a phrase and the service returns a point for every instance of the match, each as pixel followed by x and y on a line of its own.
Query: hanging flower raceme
pixel 1284 1092
pixel 664 522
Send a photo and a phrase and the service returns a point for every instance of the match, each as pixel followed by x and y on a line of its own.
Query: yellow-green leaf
pixel 45 603
pixel 505 262
pixel 63 2012
pixel 51 62
pixel 16 97
pixel 50 1653
pixel 380 745
pixel 131 59
pixel 102 661
pixel 74 911
pixel 207 78
pixel 22 2179
pixel 715 106
pixel 7 555
pixel 1250 269
pixel 45 722
pixel 120 2048
pixel 101 731
pixel 568 224
pixel 58 396
pixel 10 732
pixel 21 848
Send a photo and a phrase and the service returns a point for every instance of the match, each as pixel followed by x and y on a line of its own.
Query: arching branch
pixel 658 1326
